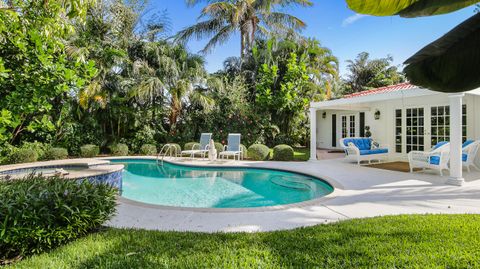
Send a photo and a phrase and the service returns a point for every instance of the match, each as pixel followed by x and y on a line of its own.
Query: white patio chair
pixel 232 148
pixel 436 159
pixel 469 152
pixel 202 148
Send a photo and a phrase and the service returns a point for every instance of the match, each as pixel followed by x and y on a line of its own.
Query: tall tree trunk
pixel 252 34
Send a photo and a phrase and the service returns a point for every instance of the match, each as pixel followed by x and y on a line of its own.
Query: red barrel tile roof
pixel 387 89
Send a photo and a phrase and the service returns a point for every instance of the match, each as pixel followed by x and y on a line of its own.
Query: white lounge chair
pixel 202 148
pixel 469 152
pixel 436 159
pixel 360 149
pixel 232 148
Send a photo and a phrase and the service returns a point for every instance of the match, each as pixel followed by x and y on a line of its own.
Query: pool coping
pixel 337 187
pixel 102 167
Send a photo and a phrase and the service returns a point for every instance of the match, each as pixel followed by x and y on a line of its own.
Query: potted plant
pixel 367 131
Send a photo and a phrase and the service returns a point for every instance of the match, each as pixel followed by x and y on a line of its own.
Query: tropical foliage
pixel 35 69
pixel 365 73
pixel 39 213
pixel 408 8
pixel 104 75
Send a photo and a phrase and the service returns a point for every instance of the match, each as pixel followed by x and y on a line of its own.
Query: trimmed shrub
pixel 89 151
pixel 38 147
pixel 283 153
pixel 258 152
pixel 244 150
pixel 148 149
pixel 39 213
pixel 119 149
pixel 190 145
pixel 218 147
pixel 23 155
pixel 56 154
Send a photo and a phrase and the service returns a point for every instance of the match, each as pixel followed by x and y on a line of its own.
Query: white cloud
pixel 352 19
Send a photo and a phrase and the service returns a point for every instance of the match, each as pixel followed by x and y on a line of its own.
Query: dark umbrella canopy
pixel 451 63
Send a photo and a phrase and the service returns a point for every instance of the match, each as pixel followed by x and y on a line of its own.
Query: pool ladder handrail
pixel 167 149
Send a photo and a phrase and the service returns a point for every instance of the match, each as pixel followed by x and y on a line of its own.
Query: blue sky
pixel 337 28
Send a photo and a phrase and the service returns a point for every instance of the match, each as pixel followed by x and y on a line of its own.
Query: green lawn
pixel 299 155
pixel 431 241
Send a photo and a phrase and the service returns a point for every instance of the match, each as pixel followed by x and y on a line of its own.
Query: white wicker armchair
pixel 469 153
pixel 436 159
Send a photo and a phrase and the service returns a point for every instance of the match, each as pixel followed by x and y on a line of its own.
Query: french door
pixel 348 126
pixel 421 128
pixel 415 133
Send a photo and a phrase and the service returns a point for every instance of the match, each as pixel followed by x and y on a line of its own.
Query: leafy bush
pixel 56 154
pixel 39 213
pixel 23 155
pixel 258 152
pixel 119 149
pixel 89 151
pixel 146 135
pixel 218 147
pixel 190 145
pixel 283 153
pixel 38 147
pixel 148 149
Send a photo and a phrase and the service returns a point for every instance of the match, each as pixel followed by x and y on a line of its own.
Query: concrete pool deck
pixel 359 192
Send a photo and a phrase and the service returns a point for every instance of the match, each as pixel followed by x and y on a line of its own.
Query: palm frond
pixel 220 38
pixel 200 30
pixel 276 18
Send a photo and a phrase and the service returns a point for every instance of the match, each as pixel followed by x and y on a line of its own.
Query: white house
pixel 404 117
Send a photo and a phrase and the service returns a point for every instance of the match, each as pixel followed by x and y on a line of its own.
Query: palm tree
pixel 365 73
pixel 249 17
pixel 168 72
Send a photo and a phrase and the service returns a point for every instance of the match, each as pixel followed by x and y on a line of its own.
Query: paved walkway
pixel 359 192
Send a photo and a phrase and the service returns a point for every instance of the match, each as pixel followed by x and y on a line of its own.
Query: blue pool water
pixel 183 186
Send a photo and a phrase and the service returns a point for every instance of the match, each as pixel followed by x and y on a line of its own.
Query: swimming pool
pixel 207 187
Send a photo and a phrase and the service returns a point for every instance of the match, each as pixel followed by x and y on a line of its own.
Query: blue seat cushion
pixel 435 160
pixel 360 143
pixel 464 157
pixel 439 144
pixel 466 143
pixel 373 151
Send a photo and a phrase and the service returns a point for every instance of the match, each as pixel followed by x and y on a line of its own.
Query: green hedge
pixel 218 147
pixel 39 213
pixel 89 151
pixel 56 154
pixel 283 153
pixel 258 152
pixel 119 149
pixel 38 147
pixel 148 149
pixel 23 155
pixel 190 145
